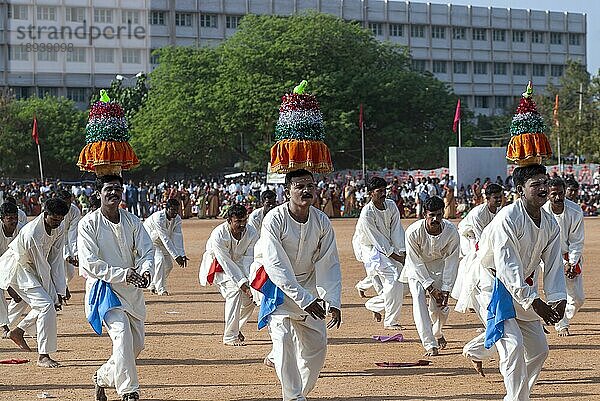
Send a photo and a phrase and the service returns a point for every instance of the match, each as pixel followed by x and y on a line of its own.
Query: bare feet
pixel 235 343
pixel 432 352
pixel 99 390
pixel 17 336
pixel 269 363
pixel 394 327
pixel 377 316
pixel 478 365
pixel 165 293
pixel 5 332
pixel 442 342
pixel 241 337
pixel 564 332
pixel 362 294
pixel 44 361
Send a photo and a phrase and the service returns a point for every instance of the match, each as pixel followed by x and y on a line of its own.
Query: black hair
pixel 434 204
pixel 376 183
pixel 237 210
pixel 267 194
pixel 10 199
pixel 571 183
pixel 64 195
pixel 556 182
pixel 56 206
pixel 8 208
pixel 493 189
pixel 522 174
pixel 172 202
pixel 103 179
pixel 296 173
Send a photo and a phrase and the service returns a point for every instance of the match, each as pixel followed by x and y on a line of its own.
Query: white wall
pixel 466 164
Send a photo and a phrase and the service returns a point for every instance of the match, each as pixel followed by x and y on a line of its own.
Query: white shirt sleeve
pixel 220 251
pixel 576 237
pixel 371 231
pixel 451 262
pixel 414 260
pixel 327 266
pixel 89 260
pixel 554 275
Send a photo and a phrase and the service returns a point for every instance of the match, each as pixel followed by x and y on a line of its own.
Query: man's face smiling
pixel 302 191
pixel 111 193
pixel 535 190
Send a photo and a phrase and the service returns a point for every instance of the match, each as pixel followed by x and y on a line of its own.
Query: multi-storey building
pixel 486 54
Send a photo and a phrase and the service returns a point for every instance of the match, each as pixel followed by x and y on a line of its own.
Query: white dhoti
pixel 428 319
pixel 127 335
pixel 299 349
pixel 238 309
pixel 475 349
pixel 575 300
pixel 389 299
pixel 43 314
pixel 523 350
pixel 69 271
pixel 3 309
pixel 163 264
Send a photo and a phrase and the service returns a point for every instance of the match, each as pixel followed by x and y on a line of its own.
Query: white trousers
pixel 163 264
pixel 523 350
pixel 43 314
pixel 428 319
pixel 368 282
pixel 475 349
pixel 389 300
pixel 127 335
pixel 69 271
pixel 575 300
pixel 299 349
pixel 3 309
pixel 238 309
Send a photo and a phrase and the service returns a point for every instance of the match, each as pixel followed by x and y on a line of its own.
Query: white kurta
pixel 4 242
pixel 167 239
pixel 256 218
pixel 570 223
pixel 512 247
pixel 69 224
pixel 378 235
pixel 430 260
pixel 22 217
pixel 235 258
pixel 106 252
pixel 302 260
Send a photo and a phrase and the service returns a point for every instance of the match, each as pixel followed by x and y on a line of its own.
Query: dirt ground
pixel 185 360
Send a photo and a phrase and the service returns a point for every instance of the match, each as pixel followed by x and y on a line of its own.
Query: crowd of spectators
pixel 338 195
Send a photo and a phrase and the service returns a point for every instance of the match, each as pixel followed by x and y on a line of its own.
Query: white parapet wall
pixel 466 164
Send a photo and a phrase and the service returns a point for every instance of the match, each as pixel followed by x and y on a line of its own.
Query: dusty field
pixel 184 358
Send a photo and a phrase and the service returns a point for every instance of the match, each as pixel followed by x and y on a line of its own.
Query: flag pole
pixel 362 140
pixel 40 159
pixel 459 138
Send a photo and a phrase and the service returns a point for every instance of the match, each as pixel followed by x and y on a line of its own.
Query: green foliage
pixel 61 128
pixel 131 98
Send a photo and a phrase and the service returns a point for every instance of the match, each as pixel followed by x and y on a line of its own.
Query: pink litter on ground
pixel 396 337
pixel 420 362
pixel 13 361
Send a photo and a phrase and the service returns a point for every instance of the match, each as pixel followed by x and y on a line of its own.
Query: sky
pixel 590 7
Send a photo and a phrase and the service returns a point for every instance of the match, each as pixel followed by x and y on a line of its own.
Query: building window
pixel 232 21
pixel 438 32
pixel 208 20
pixel 45 13
pixel 439 66
pixel 21 92
pixel 519 69
pixel 537 37
pixel 103 15
pixel 479 34
pixel 77 95
pixel 376 28
pixel 460 67
pixel 419 65
pixel 18 12
pixel 396 30
pixel 556 70
pixel 518 36
pixel 76 55
pixel 157 18
pixel 132 56
pixel 539 70
pixel 130 17
pixel 501 102
pixel 75 14
pixel 482 102
pixel 479 68
pixel 555 38
pixel 104 55
pixel 459 33
pixel 47 55
pixel 47 91
pixel 18 53
pixel 154 58
pixel 183 19
pixel 499 35
pixel 417 31
pixel 499 68
pixel 574 39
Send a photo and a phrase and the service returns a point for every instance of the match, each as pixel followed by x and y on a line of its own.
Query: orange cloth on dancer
pixel 291 154
pixel 107 153
pixel 525 149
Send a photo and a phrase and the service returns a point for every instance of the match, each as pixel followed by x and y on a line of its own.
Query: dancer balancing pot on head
pixel 528 143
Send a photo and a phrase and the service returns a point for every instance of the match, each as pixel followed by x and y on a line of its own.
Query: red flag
pixel 556 123
pixel 360 117
pixel 34 132
pixel 456 116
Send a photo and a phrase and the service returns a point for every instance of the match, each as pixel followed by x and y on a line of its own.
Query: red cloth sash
pixel 529 280
pixel 260 279
pixel 215 267
pixel 577 267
